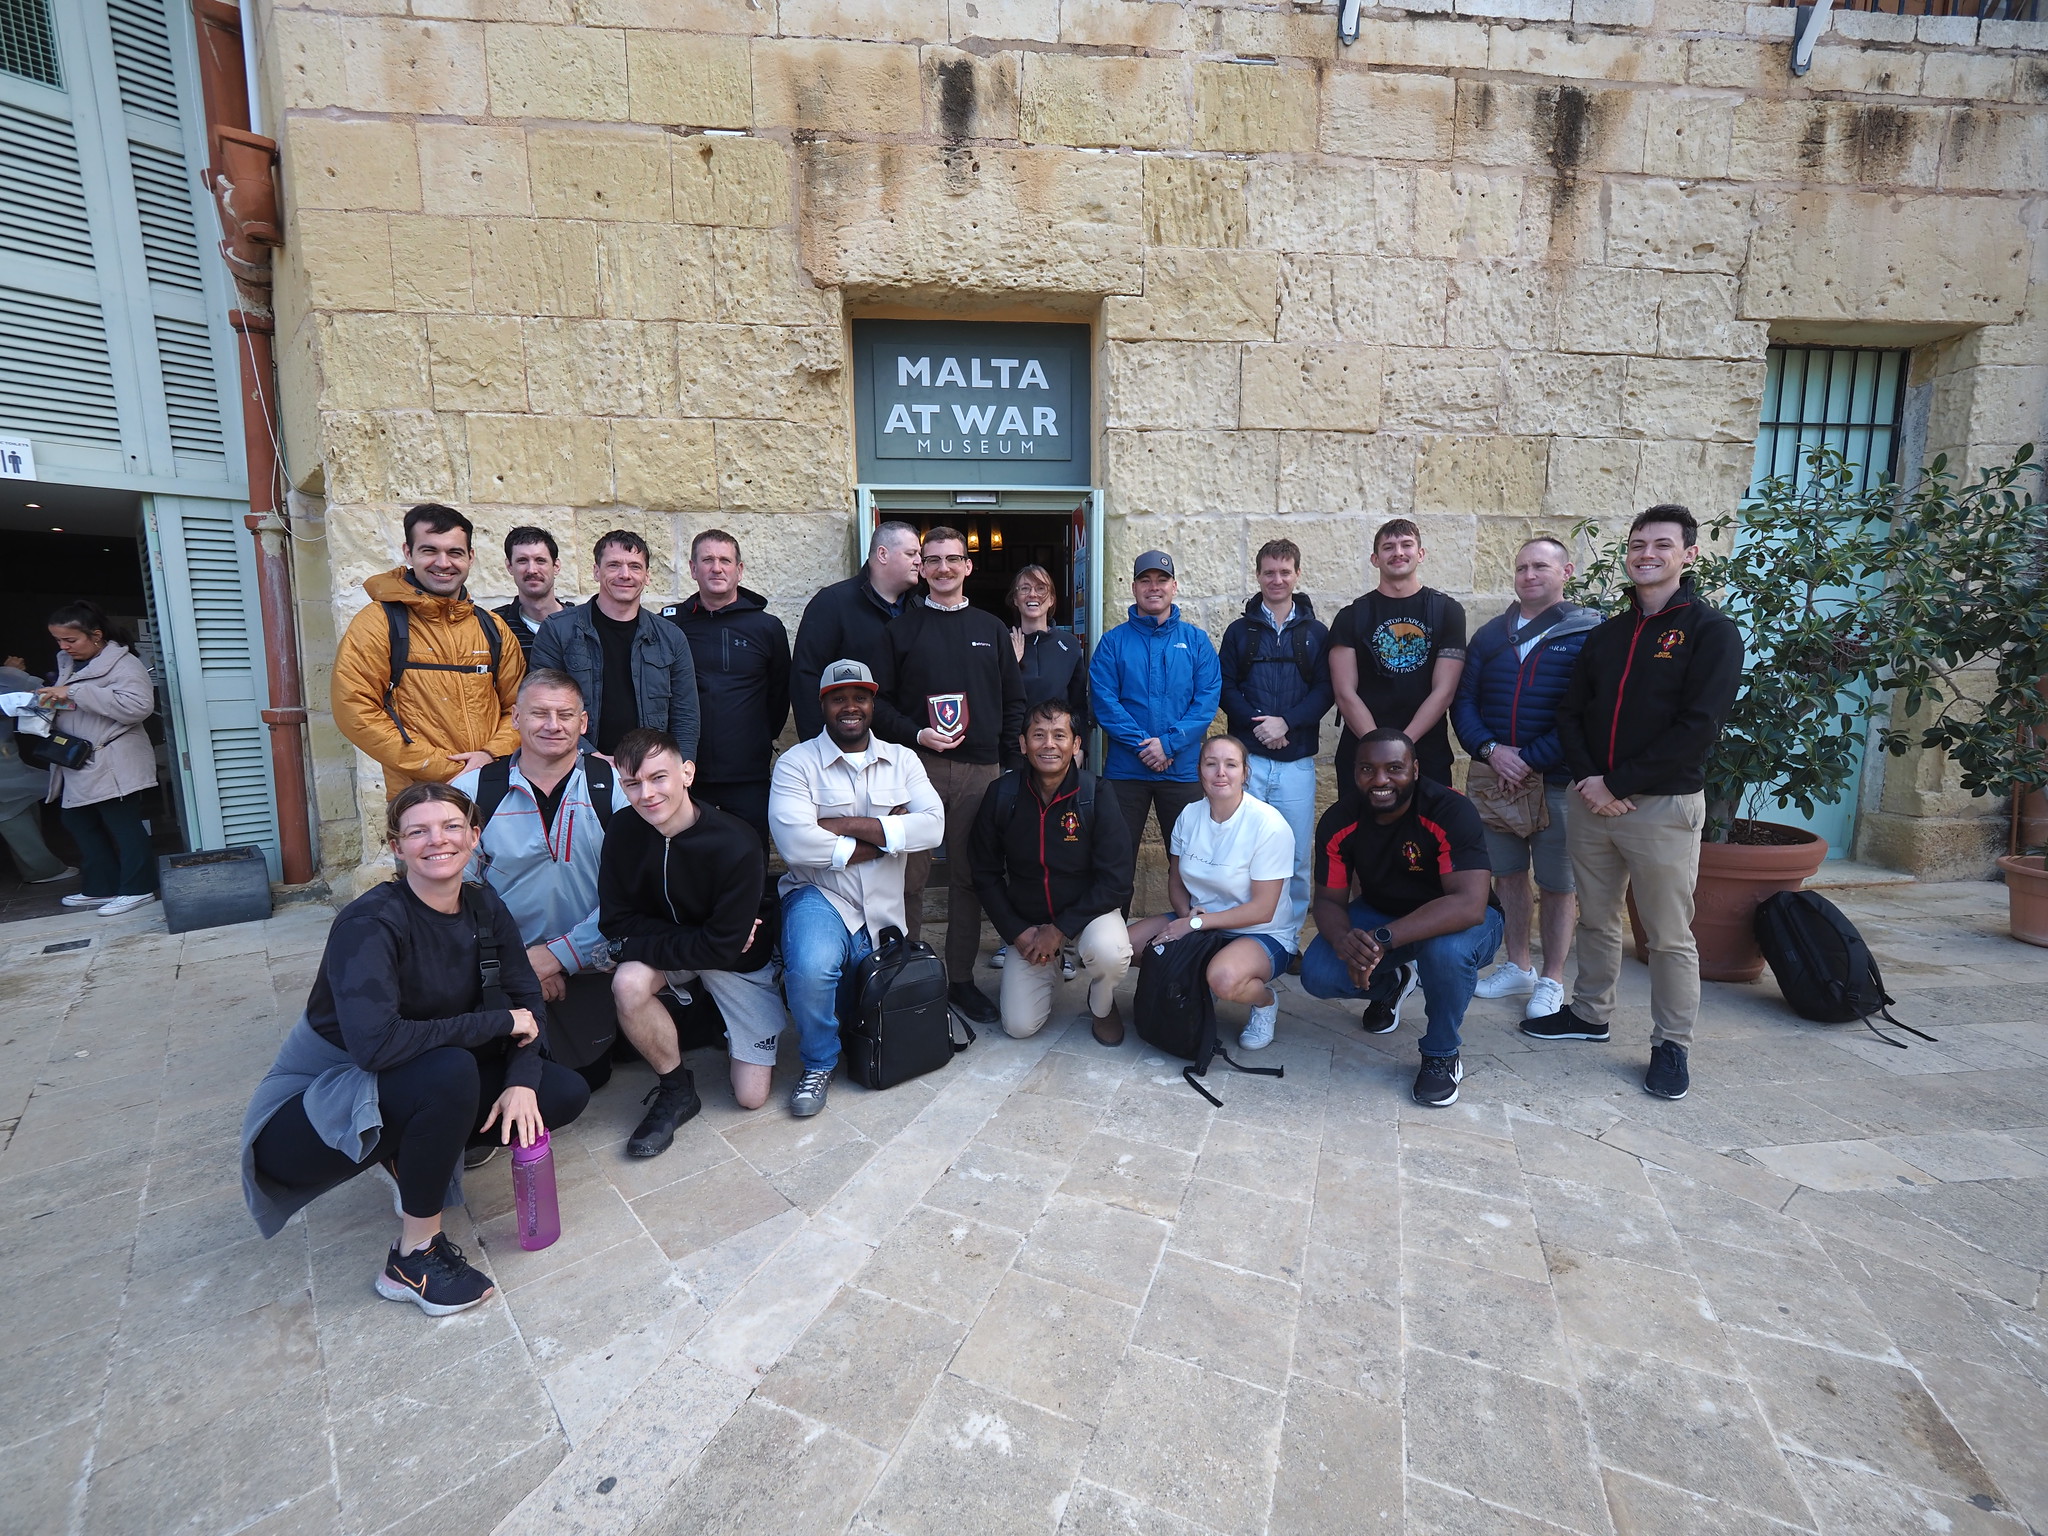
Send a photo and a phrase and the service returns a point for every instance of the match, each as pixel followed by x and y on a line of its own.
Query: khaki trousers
pixel 961 786
pixel 1105 950
pixel 1654 849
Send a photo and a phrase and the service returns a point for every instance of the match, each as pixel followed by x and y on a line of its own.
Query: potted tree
pixel 1800 568
pixel 1966 620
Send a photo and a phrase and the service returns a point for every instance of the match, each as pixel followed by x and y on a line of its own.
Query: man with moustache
pixel 533 560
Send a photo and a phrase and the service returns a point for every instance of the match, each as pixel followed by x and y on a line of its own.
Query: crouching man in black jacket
pixel 1051 868
pixel 1641 713
pixel 679 893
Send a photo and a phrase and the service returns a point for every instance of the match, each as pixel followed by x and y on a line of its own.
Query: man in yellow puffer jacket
pixel 452 708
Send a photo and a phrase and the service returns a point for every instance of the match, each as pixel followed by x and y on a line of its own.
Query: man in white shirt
pixel 845 807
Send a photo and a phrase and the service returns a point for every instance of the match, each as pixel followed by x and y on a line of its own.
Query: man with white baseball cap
pixel 846 807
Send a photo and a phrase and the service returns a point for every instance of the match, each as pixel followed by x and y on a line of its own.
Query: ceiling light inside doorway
pixel 995 537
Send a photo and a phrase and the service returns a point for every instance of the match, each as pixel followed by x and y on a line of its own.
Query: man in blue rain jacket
pixel 1156 682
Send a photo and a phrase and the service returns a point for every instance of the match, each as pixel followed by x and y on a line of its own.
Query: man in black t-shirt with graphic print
pixel 1396 655
pixel 1417 850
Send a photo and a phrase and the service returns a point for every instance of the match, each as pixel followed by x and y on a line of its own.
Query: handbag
pixel 1517 812
pixel 59 749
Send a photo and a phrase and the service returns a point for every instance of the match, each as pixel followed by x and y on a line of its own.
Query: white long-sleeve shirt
pixel 815 778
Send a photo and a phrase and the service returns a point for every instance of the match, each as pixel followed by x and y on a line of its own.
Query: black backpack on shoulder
pixel 1823 967
pixel 1175 1012
pixel 494 782
pixel 894 1020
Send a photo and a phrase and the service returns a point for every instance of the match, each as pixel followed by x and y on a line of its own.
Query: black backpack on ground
pixel 1823 967
pixel 894 1020
pixel 1175 1012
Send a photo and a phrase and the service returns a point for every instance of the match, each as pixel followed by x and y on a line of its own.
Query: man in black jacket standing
pixel 1051 869
pixel 949 686
pixel 847 619
pixel 1642 711
pixel 679 898
pixel 633 669
pixel 741 653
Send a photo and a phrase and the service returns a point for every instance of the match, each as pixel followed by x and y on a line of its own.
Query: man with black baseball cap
pixel 1156 682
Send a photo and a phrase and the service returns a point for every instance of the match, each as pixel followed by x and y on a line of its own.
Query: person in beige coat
pixel 104 694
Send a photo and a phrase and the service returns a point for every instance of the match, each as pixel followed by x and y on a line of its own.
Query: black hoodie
pixel 939 650
pixel 846 619
pixel 683 903
pixel 1047 863
pixel 1645 703
pixel 742 657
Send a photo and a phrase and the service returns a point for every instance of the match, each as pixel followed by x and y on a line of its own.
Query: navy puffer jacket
pixel 1503 698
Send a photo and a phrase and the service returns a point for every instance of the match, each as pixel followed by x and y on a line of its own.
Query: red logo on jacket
pixel 1070 823
pixel 1668 642
pixel 1412 852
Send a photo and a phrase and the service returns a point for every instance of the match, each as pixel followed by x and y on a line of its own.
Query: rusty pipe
pixel 286 717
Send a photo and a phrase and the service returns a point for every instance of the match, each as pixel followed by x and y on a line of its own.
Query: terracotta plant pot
pixel 2026 890
pixel 1733 881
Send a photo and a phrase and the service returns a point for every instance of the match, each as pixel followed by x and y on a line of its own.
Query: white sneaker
pixel 1070 966
pixel 995 961
pixel 1507 980
pixel 63 874
pixel 75 900
pixel 1258 1029
pixel 122 904
pixel 1546 999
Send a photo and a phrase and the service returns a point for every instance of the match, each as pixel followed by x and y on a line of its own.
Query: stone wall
pixel 592 264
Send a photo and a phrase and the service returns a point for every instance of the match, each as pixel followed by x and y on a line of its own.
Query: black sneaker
pixel 972 1004
pixel 1667 1077
pixel 670 1103
pixel 437 1279
pixel 1385 1018
pixel 808 1096
pixel 1437 1083
pixel 1562 1025
pixel 476 1154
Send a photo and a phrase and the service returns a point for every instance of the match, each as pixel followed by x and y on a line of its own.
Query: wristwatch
pixel 1485 753
pixel 1384 937
pixel 1195 923
pixel 617 949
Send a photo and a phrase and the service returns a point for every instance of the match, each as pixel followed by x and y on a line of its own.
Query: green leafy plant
pixel 1965 624
pixel 1800 569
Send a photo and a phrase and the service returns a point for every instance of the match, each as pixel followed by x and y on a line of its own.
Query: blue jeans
pixel 1448 965
pixel 816 950
pixel 1290 788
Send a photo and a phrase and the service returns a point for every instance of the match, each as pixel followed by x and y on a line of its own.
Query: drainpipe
pixel 240 180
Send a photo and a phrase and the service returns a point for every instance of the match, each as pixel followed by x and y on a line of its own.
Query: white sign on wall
pixel 17 459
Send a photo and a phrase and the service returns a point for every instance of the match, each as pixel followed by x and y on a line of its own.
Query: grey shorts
pixel 751 1004
pixel 1546 850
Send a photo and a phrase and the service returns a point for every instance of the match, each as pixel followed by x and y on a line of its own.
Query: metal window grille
pixel 1845 398
pixel 28 44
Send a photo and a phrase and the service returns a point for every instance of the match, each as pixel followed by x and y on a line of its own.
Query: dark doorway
pixel 1003 543
pixel 40 570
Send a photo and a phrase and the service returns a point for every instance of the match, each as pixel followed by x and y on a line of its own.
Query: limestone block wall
pixel 1501 265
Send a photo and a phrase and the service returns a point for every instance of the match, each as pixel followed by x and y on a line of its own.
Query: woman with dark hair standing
pixel 103 693
pixel 422 1033
pixel 1051 659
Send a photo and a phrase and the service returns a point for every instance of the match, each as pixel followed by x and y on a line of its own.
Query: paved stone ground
pixel 1050 1290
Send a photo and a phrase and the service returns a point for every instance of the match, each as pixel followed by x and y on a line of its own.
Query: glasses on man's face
pixel 945 560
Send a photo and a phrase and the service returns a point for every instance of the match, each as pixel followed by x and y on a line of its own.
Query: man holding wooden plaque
pixel 950 687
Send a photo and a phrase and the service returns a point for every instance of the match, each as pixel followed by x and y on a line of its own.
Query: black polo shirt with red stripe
pixel 1399 866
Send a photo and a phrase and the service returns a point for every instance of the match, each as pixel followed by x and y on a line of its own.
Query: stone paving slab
pixel 1049 1289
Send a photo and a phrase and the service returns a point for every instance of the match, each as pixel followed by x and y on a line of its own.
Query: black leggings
pixel 431 1107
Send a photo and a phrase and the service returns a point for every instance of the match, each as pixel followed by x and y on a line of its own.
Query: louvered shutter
pixel 200 549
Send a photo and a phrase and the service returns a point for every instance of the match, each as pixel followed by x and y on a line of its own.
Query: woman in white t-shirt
pixel 1231 858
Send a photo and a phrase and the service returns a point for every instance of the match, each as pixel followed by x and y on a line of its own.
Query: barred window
pixel 1845 398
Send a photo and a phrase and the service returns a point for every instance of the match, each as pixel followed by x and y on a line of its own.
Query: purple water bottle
pixel 533 1194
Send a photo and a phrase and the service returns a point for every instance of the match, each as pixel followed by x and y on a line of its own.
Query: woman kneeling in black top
pixel 408 1049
